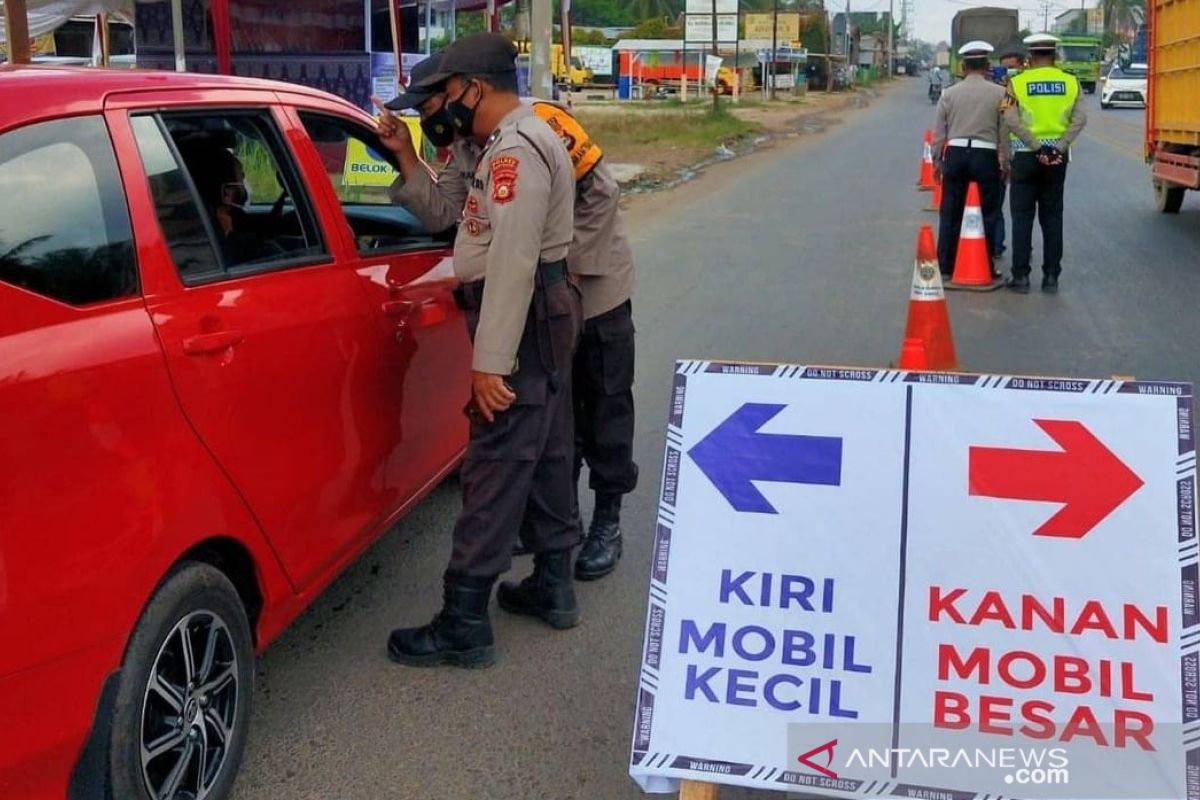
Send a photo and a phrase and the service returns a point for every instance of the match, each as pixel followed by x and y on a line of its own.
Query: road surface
pixel 800 254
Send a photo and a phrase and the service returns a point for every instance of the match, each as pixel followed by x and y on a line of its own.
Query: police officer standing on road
pixel 966 149
pixel 524 317
pixel 1045 116
pixel 1010 65
pixel 600 260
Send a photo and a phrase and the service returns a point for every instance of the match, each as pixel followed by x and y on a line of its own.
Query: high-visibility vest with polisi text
pixel 1046 96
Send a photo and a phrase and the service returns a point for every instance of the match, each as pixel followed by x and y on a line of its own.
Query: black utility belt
pixel 469 296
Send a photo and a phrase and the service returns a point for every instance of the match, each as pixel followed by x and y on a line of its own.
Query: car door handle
pixel 398 308
pixel 208 343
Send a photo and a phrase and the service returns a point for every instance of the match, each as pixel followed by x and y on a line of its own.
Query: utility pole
pixel 541 34
pixel 774 46
pixel 713 88
pixel 891 39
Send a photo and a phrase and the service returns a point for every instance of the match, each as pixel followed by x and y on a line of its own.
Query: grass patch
pixel 671 127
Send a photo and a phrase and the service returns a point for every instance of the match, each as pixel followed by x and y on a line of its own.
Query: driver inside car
pixel 220 179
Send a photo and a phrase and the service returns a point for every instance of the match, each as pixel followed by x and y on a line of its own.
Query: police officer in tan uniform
pixel 601 262
pixel 524 316
pixel 967 148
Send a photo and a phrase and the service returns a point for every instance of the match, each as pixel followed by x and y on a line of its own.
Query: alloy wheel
pixel 189 709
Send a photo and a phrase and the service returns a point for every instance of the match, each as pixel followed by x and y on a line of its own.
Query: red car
pixel 227 364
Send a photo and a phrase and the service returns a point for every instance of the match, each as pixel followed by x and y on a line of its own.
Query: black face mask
pixel 461 116
pixel 439 128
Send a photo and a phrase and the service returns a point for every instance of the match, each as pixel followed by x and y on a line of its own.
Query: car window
pixel 228 197
pixel 362 172
pixel 64 224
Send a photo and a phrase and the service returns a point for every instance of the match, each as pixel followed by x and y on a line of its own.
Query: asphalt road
pixel 800 254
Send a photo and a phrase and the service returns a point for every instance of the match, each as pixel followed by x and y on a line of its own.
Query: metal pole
pixel 177 30
pixel 891 40
pixel 428 26
pixel 774 44
pixel 737 55
pixel 541 35
pixel 713 88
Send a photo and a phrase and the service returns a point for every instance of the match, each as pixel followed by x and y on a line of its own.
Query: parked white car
pixel 1124 86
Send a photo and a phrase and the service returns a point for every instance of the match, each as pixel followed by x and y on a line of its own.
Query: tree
pixel 651 29
pixel 650 9
pixel 1122 16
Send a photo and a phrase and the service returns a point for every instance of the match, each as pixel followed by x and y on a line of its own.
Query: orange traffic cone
pixel 972 264
pixel 913 356
pixel 936 203
pixel 925 184
pixel 928 317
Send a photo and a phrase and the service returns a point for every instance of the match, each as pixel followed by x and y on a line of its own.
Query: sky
pixel 931 18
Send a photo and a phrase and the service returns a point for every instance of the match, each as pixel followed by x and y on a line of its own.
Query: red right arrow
pixel 1085 476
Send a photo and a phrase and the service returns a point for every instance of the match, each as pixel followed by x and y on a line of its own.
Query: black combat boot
pixel 460 634
pixel 602 548
pixel 548 594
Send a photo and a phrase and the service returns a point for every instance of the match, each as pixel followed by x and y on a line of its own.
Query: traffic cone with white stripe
pixel 973 263
pixel 925 183
pixel 928 316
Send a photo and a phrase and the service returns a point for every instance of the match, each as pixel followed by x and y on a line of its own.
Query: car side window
pixel 228 196
pixel 64 224
pixel 362 171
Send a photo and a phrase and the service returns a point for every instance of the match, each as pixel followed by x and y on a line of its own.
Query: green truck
pixel 1081 56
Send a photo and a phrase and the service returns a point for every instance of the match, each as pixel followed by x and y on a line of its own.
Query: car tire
pixel 191 704
pixel 1168 199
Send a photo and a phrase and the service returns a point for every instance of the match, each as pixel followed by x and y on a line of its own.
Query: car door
pixel 408 279
pixel 267 337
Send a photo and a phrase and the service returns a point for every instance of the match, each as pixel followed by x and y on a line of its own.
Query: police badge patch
pixel 504 178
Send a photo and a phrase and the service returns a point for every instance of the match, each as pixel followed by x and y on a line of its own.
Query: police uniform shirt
pixel 600 257
pixel 439 205
pixel 519 212
pixel 971 109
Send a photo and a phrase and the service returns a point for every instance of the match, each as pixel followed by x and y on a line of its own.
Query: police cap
pixel 975 49
pixel 1041 42
pixel 479 54
pixel 423 83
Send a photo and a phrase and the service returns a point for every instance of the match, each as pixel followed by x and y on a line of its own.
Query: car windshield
pixel 1127 72
pixel 1079 53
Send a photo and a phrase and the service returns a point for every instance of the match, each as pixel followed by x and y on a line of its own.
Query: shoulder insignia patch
pixel 472 204
pixel 473 227
pixel 504 178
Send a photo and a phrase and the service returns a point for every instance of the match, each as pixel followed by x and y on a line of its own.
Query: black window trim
pixel 291 176
pixel 431 242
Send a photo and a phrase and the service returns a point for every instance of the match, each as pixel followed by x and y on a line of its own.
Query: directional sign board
pixel 946 587
pixel 699 28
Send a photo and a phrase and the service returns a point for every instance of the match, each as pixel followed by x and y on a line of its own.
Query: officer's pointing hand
pixel 393 134
pixel 491 393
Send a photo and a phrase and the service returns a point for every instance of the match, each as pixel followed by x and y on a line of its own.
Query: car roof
pixel 38 91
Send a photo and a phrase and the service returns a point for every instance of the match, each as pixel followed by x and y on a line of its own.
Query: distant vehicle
pixel 574 75
pixel 657 65
pixel 1125 86
pixel 1081 56
pixel 999 27
pixel 1172 113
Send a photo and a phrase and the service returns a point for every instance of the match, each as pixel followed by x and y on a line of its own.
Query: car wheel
pixel 1168 199
pixel 183 697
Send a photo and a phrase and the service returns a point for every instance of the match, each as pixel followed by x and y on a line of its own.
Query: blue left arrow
pixel 735 454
